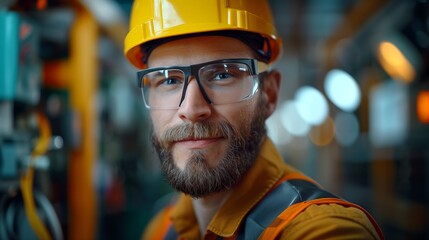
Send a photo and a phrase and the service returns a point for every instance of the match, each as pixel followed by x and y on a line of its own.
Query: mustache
pixel 198 130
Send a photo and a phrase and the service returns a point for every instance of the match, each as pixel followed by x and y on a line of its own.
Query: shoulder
pixel 330 221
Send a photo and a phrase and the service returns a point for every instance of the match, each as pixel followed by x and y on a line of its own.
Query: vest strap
pixel 286 194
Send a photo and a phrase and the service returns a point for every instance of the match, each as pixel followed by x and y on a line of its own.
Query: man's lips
pixel 194 143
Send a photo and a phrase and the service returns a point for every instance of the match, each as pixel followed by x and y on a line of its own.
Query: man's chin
pixel 182 158
pixel 205 195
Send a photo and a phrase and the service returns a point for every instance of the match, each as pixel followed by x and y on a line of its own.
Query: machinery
pixel 25 135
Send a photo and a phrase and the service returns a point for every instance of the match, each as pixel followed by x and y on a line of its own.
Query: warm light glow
pixel 395 63
pixel 423 106
pixel 323 134
pixel 41 4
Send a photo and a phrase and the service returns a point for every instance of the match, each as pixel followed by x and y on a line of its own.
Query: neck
pixel 207 207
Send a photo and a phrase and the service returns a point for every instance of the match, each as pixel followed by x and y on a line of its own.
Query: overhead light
pixel 276 130
pixel 342 89
pixel 388 114
pixel 399 58
pixel 292 121
pixel 423 106
pixel 311 105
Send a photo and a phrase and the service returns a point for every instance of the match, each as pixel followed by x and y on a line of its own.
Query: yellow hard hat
pixel 163 19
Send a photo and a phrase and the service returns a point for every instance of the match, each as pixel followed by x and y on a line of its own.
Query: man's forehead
pixel 193 50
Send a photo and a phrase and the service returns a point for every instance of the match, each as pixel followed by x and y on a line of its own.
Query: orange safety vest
pixel 287 199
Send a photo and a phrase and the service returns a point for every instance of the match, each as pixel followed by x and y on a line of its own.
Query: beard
pixel 198 179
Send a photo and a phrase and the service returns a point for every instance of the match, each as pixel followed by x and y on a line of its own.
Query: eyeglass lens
pixel 223 83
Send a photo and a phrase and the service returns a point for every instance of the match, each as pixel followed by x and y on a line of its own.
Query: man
pixel 207 83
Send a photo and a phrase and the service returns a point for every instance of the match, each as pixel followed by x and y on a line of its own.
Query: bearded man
pixel 206 79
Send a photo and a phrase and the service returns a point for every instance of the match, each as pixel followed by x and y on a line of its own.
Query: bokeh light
pixel 276 130
pixel 395 63
pixel 389 106
pixel 342 89
pixel 323 134
pixel 423 106
pixel 292 121
pixel 311 105
pixel 347 128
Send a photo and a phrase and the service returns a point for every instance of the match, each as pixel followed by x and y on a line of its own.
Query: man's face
pixel 206 148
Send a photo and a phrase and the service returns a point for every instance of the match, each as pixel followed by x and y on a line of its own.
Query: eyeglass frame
pixel 256 67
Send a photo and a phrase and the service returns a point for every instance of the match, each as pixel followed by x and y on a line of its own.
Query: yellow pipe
pixel 83 86
pixel 26 182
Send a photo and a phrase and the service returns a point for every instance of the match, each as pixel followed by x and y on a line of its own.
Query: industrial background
pixel 75 155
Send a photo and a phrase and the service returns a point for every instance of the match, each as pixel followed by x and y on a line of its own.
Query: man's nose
pixel 194 106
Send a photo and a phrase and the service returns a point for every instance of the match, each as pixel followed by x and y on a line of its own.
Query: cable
pixel 27 179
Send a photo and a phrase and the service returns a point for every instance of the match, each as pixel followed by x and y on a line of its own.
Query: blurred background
pixel 74 133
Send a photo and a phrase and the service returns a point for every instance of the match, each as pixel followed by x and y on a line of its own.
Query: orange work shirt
pixel 325 221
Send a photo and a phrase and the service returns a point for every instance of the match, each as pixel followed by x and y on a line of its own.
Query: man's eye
pixel 222 76
pixel 171 81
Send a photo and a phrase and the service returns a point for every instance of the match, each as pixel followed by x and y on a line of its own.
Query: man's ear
pixel 271 91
